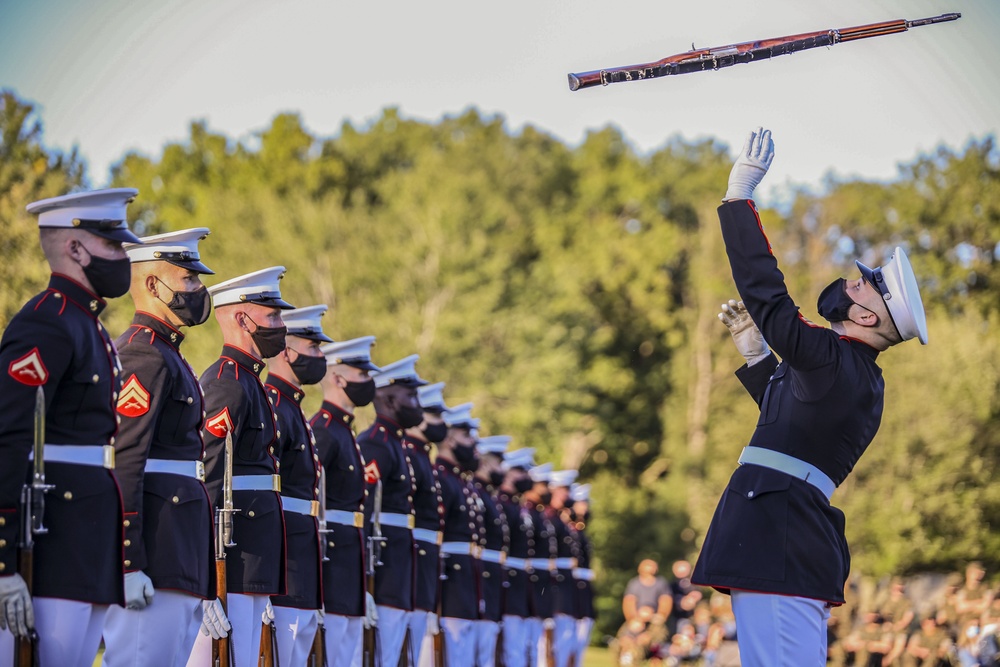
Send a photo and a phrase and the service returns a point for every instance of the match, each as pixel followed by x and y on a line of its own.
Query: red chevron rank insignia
pixel 220 424
pixel 29 369
pixel 134 399
pixel 372 473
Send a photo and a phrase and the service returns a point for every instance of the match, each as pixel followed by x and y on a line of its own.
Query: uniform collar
pixel 286 388
pixel 77 293
pixel 862 347
pixel 389 425
pixel 338 414
pixel 159 327
pixel 244 359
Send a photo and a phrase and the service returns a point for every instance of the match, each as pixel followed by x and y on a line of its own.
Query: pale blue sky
pixel 119 75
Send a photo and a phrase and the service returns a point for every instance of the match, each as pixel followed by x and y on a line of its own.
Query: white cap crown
pixel 494 444
pixel 306 322
pixel 260 287
pixel 897 284
pixel 403 371
pixel 431 397
pixel 356 352
pixel 179 248
pixel 102 212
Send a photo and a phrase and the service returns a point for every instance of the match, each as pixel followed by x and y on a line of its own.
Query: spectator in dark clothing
pixel 685 596
pixel 647 590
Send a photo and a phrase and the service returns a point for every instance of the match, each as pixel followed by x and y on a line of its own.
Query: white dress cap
pixel 897 284
pixel 460 416
pixel 431 397
pixel 179 248
pixel 403 371
pixel 356 352
pixel 540 473
pixel 519 458
pixel 562 478
pixel 100 212
pixel 494 444
pixel 305 323
pixel 260 287
pixel 579 493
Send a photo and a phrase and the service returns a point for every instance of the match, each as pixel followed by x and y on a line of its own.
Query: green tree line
pixel 571 293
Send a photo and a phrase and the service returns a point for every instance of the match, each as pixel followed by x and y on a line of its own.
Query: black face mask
pixel 360 393
pixel 270 341
pixel 833 303
pixel 110 278
pixel 191 308
pixel 465 457
pixel 409 416
pixel 496 478
pixel 523 485
pixel 435 432
pixel 545 498
pixel 309 370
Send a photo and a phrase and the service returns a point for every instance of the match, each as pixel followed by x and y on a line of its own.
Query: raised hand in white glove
pixel 138 590
pixel 214 622
pixel 16 610
pixel 754 161
pixel 433 627
pixel 371 612
pixel 267 618
pixel 747 337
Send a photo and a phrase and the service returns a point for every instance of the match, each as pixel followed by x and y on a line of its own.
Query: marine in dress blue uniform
pixel 387 460
pixel 158 461
pixel 429 514
pixel 496 543
pixel 567 555
pixel 301 363
pixel 248 310
pixel 464 533
pixel 57 342
pixel 583 573
pixel 345 386
pixel 776 541
pixel 518 647
pixel 541 580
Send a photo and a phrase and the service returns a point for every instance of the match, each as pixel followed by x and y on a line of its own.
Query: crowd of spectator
pixel 926 621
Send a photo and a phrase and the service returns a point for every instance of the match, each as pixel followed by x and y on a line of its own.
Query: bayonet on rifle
pixel 724 56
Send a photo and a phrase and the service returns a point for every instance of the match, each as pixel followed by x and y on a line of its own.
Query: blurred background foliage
pixel 572 293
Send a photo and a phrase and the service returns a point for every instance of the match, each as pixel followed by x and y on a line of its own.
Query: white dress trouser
pixel 245 613
pixel 344 636
pixel 564 639
pixel 535 641
pixel 418 630
pixel 296 630
pixel 515 641
pixel 161 634
pixel 780 630
pixel 583 628
pixel 486 642
pixel 69 633
pixel 459 642
pixel 392 624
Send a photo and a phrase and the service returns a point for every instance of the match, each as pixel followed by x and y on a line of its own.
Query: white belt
pixel 100 456
pixel 493 556
pixel 461 549
pixel 565 563
pixel 790 465
pixel 523 564
pixel 193 469
pixel 345 518
pixel 583 573
pixel 257 483
pixel 300 506
pixel 427 535
pixel 396 520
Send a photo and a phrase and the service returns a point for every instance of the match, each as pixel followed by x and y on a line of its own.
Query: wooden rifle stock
pixel 268 654
pixel 698 60
pixel 317 654
pixel 222 649
pixel 26 648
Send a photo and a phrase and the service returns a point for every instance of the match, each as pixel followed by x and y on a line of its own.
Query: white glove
pixel 754 161
pixel 748 338
pixel 549 623
pixel 267 618
pixel 433 627
pixel 371 612
pixel 16 610
pixel 138 590
pixel 214 622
